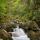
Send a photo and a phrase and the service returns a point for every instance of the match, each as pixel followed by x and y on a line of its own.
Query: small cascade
pixel 19 34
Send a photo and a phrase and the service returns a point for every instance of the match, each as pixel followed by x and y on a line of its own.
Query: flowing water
pixel 19 34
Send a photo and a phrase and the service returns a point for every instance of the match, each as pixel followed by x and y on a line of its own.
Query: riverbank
pixel 30 27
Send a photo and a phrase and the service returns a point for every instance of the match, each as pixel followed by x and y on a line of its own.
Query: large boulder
pixel 4 35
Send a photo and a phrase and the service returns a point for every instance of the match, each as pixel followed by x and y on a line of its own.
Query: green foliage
pixel 19 9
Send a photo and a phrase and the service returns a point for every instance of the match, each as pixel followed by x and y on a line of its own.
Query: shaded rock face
pixel 38 22
pixel 9 29
pixel 5 35
pixel 32 29
pixel 34 35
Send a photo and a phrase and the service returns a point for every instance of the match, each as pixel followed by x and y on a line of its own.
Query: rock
pixel 33 25
pixel 14 34
pixel 34 35
pixel 4 34
pixel 30 25
pixel 32 28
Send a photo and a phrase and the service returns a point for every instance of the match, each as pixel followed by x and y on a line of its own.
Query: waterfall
pixel 19 34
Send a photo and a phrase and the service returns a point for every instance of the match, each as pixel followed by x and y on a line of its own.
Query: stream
pixel 19 34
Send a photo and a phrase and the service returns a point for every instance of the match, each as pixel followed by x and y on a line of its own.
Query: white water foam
pixel 19 34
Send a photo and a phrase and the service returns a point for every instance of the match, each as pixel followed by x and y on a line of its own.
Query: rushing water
pixel 19 34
